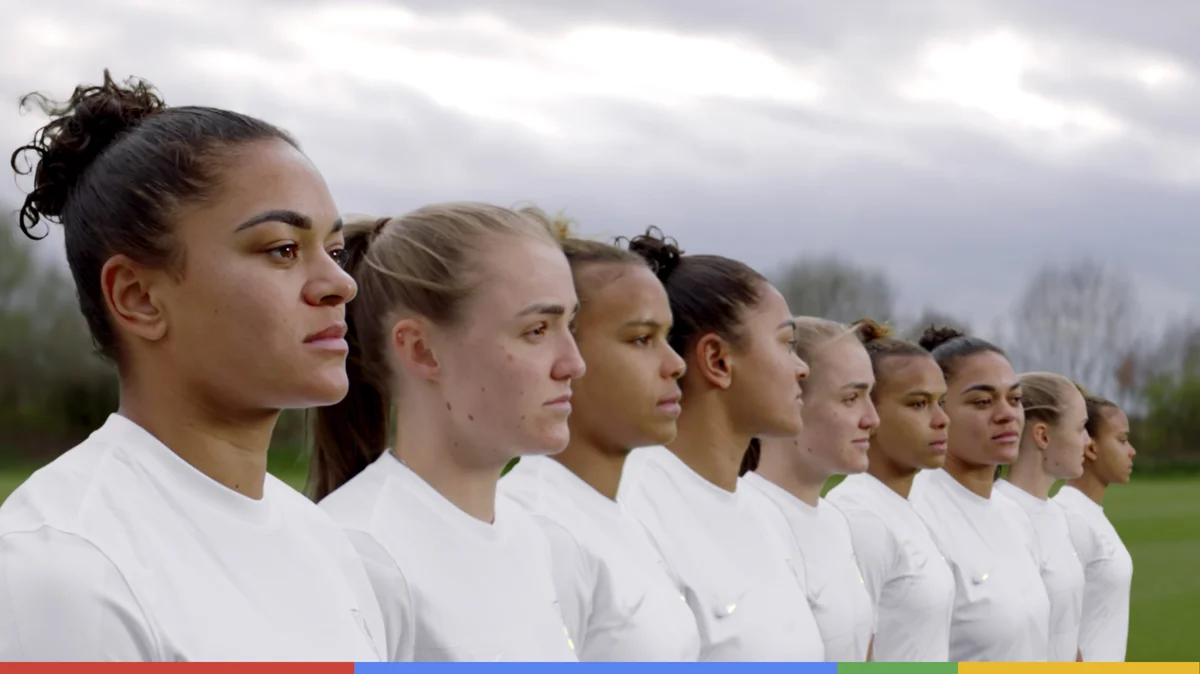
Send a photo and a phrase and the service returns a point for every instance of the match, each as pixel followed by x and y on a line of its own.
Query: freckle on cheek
pixel 470 417
pixel 447 407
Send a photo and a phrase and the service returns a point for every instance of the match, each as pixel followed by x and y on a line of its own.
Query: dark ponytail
pixel 751 457
pixel 349 435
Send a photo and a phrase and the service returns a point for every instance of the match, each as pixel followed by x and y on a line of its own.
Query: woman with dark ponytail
pixel 740 576
pixel 1107 564
pixel 205 249
pixel 1001 609
pixel 909 582
pixel 462 331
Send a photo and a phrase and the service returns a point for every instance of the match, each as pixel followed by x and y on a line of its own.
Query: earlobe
pixel 131 293
pixel 714 360
pixel 1089 452
pixel 411 342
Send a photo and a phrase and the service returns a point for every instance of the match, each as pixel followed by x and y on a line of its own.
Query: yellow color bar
pixel 1079 668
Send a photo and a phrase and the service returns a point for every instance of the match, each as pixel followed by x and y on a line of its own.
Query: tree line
pixel 1081 319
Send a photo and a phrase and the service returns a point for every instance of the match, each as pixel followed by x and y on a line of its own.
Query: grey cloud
pixel 961 226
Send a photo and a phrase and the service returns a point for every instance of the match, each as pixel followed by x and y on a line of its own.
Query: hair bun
pixel 661 252
pixel 80 129
pixel 935 336
pixel 870 331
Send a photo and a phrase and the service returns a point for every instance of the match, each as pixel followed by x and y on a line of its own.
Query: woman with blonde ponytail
pixel 461 330
pixel 1052 449
pixel 838 422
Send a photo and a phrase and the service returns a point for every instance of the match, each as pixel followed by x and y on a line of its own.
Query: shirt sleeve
pixel 63 600
pixel 574 579
pixel 393 594
pixel 876 550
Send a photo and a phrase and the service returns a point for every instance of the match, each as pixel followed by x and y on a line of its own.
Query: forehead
pixel 1115 418
pixel 842 360
pixel 912 371
pixel 266 175
pixel 516 271
pixel 771 310
pixel 621 289
pixel 984 369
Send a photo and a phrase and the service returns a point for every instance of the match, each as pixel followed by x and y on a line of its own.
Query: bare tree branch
pixel 835 289
pixel 1081 320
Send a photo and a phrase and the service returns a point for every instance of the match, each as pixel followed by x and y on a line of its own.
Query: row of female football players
pixel 213 269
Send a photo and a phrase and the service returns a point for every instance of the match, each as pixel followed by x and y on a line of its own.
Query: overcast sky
pixel 955 144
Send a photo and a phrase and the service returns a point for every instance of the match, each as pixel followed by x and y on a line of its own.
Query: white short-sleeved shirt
pixel 836 590
pixel 905 574
pixel 477 591
pixel 119 550
pixel 1001 609
pixel 740 577
pixel 618 598
pixel 1108 577
pixel 1060 567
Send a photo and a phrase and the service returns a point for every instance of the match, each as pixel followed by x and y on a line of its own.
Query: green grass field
pixel 1158 518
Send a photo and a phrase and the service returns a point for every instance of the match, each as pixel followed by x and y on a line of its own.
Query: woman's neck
pixel 447 464
pixel 977 479
pixel 1028 474
pixel 227 446
pixel 896 477
pixel 1091 485
pixel 707 443
pixel 600 468
pixel 787 462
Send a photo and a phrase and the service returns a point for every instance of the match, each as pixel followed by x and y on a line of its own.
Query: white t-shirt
pixel 618 599
pixel 741 579
pixel 477 591
pixel 836 590
pixel 1001 609
pixel 1061 571
pixel 1108 576
pixel 119 550
pixel 905 574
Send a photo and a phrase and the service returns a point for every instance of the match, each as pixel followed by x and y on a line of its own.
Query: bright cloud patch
pixel 986 74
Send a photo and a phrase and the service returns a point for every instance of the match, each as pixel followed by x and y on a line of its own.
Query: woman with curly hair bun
pixel 206 252
pixel 1001 608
